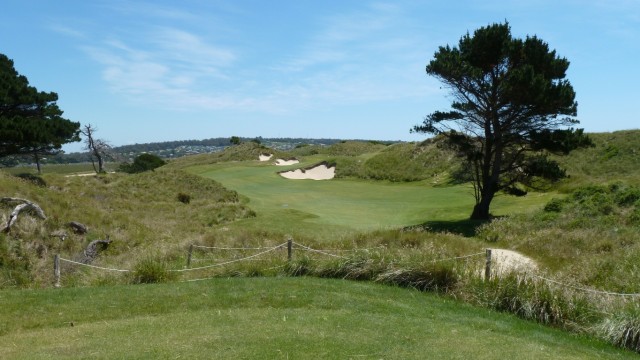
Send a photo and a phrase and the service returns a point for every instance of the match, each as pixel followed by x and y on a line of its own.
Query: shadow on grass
pixel 466 227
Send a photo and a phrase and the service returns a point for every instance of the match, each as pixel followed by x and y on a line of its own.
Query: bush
pixel 555 205
pixel 184 198
pixel 149 271
pixel 34 179
pixel 142 163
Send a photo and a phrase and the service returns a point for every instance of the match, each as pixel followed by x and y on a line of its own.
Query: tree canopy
pixel 142 163
pixel 30 120
pixel 512 106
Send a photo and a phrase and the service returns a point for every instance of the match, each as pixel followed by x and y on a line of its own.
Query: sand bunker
pixel 319 172
pixel 506 261
pixel 265 157
pixel 283 162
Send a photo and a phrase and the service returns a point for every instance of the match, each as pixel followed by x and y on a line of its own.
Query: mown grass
pixel 350 203
pixel 271 318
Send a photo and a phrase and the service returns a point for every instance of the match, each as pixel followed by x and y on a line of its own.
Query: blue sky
pixel 145 71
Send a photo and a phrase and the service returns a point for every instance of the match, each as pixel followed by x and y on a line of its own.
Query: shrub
pixel 555 205
pixel 142 163
pixel 34 179
pixel 150 271
pixel 623 331
pixel 184 198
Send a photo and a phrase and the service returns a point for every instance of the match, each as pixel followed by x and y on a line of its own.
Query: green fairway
pixel 270 318
pixel 350 203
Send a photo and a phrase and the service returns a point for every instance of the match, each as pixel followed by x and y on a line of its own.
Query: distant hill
pixel 179 148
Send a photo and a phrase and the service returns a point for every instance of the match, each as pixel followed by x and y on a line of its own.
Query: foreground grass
pixel 271 318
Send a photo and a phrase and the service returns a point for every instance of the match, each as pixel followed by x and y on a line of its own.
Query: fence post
pixel 487 267
pixel 289 248
pixel 56 270
pixel 189 256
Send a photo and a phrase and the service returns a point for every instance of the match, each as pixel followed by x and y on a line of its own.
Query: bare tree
pixel 99 150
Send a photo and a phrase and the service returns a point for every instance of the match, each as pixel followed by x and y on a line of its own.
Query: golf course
pixel 396 273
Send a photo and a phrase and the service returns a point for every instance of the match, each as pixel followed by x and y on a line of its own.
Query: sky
pixel 148 71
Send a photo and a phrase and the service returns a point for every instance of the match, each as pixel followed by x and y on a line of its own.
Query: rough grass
pixel 246 151
pixel 615 157
pixel 140 213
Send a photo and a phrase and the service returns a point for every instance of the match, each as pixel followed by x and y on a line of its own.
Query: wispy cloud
pixel 359 57
pixel 356 57
pixel 170 68
pixel 67 31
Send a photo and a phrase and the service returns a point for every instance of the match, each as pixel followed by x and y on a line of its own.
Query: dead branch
pixel 23 205
pixel 91 252
pixel 78 228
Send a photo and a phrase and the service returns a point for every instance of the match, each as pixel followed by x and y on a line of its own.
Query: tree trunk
pixel 37 158
pixel 100 163
pixel 91 252
pixel 480 211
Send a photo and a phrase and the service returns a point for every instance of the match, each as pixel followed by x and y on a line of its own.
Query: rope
pixel 459 257
pixel 229 248
pixel 232 261
pixel 196 260
pixel 306 248
pixel 587 289
pixel 92 266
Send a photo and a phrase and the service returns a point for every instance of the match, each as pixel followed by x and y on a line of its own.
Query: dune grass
pixel 271 318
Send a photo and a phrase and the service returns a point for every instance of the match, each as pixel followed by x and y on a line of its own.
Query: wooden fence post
pixel 56 270
pixel 189 256
pixel 487 267
pixel 289 249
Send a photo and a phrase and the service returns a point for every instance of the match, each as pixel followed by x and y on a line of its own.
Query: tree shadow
pixel 466 227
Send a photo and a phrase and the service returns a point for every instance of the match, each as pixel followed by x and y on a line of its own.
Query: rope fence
pixel 323 252
pixel 92 266
pixel 231 261
pixel 459 257
pixel 229 248
pixel 584 289
pixel 290 245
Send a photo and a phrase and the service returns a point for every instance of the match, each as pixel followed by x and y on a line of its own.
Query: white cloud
pixel 67 31
pixel 360 57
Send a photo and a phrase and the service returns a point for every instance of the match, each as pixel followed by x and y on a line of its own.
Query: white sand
pixel 283 162
pixel 320 172
pixel 265 157
pixel 505 261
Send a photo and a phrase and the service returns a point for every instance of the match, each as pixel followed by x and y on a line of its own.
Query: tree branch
pixel 23 205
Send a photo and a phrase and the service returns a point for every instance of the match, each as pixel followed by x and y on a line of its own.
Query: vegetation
pixel 395 233
pixel 141 213
pixel 99 149
pixel 30 120
pixel 142 163
pixel 511 103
